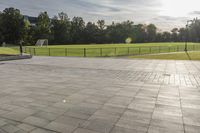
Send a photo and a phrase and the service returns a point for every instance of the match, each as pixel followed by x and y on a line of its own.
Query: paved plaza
pixel 99 95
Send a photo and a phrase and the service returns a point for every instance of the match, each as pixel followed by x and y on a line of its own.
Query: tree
pixel 139 33
pixel 182 34
pixel 174 35
pixel 12 25
pixel 77 29
pixel 151 32
pixel 119 32
pixel 1 35
pixel 166 36
pixel 90 33
pixel 194 31
pixel 101 24
pixel 26 32
pixel 159 37
pixel 61 28
pixel 101 33
pixel 43 26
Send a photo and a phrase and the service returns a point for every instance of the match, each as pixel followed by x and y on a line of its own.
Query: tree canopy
pixel 12 25
pixel 62 30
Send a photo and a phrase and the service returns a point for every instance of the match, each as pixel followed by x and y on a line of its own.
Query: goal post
pixel 42 42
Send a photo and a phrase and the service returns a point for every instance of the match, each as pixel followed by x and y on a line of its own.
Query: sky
pixel 165 14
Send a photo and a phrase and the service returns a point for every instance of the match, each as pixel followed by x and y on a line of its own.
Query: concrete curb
pixel 14 57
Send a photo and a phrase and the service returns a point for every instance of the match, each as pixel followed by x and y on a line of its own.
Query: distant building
pixel 31 20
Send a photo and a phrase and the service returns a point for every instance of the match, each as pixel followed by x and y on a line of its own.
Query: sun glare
pixel 179 8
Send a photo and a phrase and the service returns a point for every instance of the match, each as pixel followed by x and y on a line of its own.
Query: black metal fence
pixel 110 51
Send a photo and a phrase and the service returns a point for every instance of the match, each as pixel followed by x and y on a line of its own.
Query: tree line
pixel 62 30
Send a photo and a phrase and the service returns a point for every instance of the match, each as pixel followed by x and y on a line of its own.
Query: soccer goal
pixel 42 42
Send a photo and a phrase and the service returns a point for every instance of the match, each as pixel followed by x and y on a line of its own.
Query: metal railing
pixel 106 52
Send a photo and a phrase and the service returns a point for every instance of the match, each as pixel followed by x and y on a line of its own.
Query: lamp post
pixel 186 38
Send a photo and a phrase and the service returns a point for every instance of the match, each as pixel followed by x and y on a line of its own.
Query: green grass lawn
pixel 121 45
pixel 110 49
pixel 9 51
pixel 171 56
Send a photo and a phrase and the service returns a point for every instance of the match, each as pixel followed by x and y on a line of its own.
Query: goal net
pixel 42 42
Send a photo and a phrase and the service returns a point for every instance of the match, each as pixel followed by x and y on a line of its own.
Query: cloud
pixel 195 13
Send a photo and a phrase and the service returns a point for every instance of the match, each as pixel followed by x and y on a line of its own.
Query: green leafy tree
pixel 43 26
pixel 194 31
pixel 119 32
pixel 159 37
pixel 139 33
pixel 1 35
pixel 166 36
pixel 101 24
pixel 77 30
pixel 12 25
pixel 61 28
pixel 182 34
pixel 174 35
pixel 101 33
pixel 90 33
pixel 151 32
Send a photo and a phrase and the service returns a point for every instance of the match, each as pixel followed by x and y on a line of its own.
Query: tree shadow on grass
pixel 188 56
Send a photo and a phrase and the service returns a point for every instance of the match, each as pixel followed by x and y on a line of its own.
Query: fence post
pixel 128 51
pixel 66 52
pixel 150 50
pixel 30 51
pixel 49 52
pixel 34 51
pixel 24 49
pixel 139 50
pixel 101 54
pixel 84 52
pixel 169 48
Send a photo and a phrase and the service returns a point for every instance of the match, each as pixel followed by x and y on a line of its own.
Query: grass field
pixel 110 49
pixel 8 51
pixel 120 45
pixel 171 56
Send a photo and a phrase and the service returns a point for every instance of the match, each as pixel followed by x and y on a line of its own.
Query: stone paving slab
pixel 97 95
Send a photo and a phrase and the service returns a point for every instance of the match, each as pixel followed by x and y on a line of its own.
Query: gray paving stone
pixel 78 115
pixel 59 127
pixel 10 128
pixel 192 129
pixel 98 125
pixel 36 121
pixel 69 121
pixel 26 127
pixel 165 125
pixel 2 112
pixel 154 129
pixel 21 131
pixel 90 95
pixel 82 130
pixel 2 122
pixel 46 115
pixel 38 130
pixel 124 130
pixel 135 125
pixel 19 114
